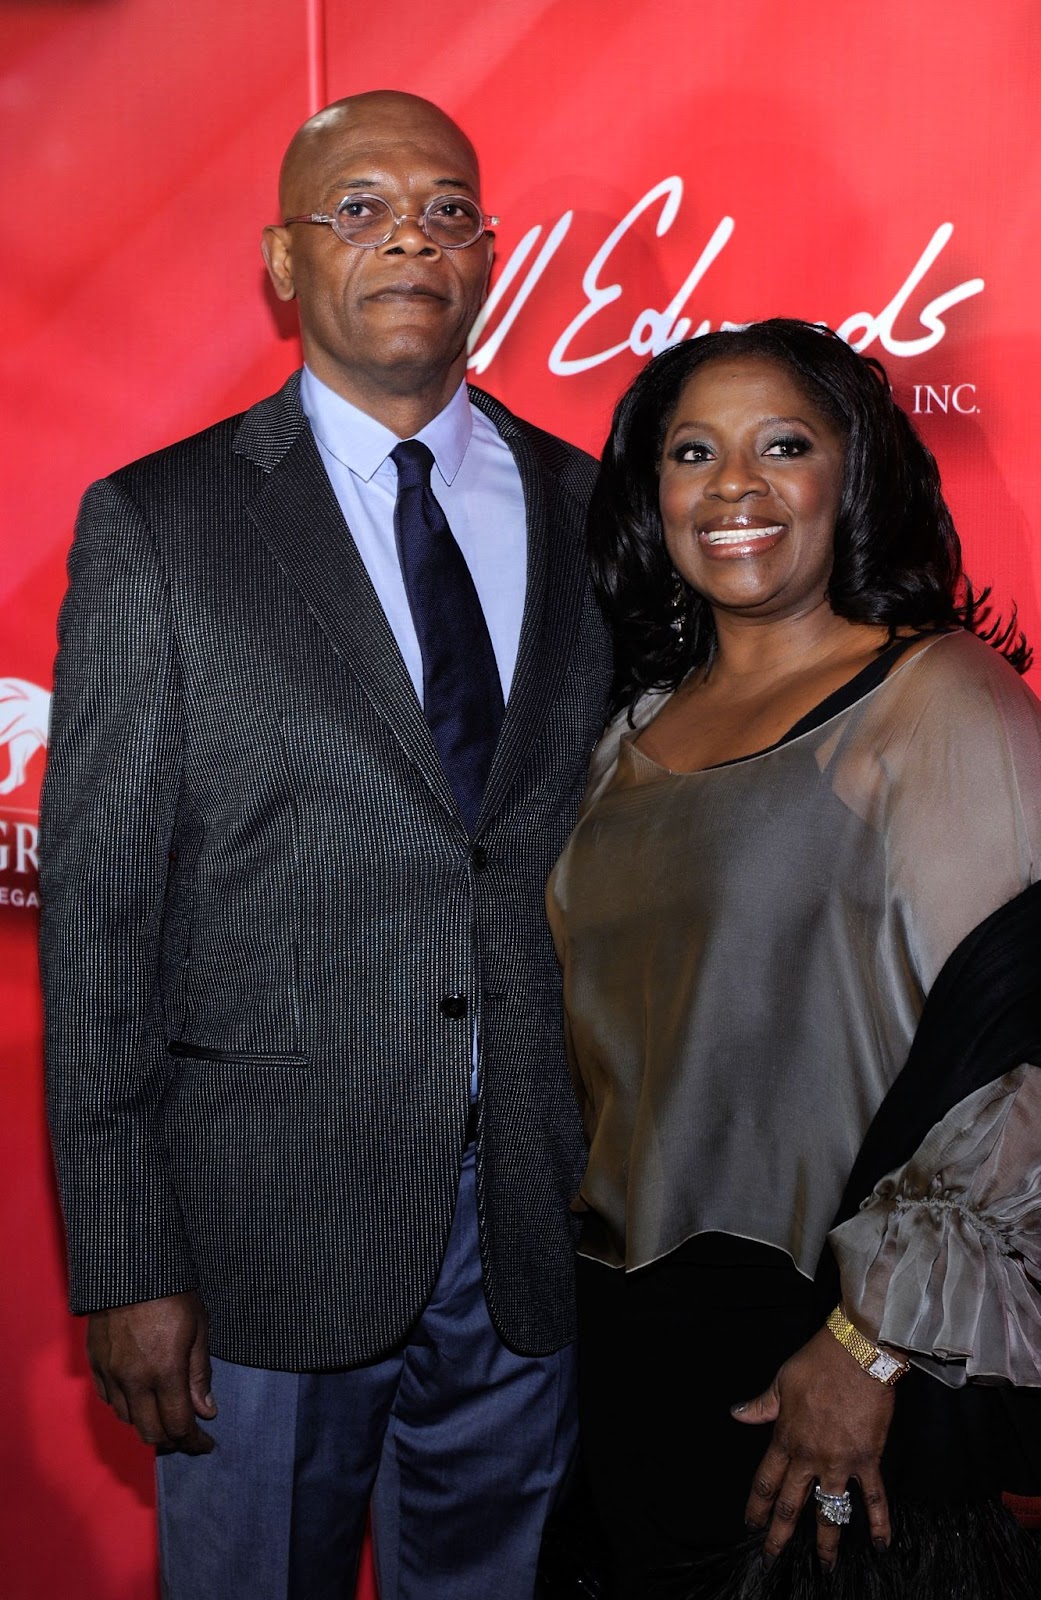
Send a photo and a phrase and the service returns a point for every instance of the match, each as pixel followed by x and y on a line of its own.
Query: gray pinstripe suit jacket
pixel 258 893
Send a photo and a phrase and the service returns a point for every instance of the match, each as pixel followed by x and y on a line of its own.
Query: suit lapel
pixel 552 602
pixel 297 514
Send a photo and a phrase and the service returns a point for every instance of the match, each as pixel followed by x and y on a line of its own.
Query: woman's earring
pixel 679 611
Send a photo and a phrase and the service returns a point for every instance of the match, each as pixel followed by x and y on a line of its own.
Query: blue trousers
pixel 460 1444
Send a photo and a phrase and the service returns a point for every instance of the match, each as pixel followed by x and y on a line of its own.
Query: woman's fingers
pixel 766 1486
pixel 876 1505
pixel 791 1497
pixel 833 1506
pixel 830 1426
pixel 780 1490
pixel 764 1408
pixel 778 1496
pixel 829 1527
pixel 781 1487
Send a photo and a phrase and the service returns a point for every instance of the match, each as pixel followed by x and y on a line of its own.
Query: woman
pixel 819 786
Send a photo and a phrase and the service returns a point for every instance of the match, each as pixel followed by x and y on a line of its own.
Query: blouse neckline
pixel 862 683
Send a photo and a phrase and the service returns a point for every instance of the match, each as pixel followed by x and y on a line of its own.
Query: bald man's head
pixel 383 116
pixel 385 324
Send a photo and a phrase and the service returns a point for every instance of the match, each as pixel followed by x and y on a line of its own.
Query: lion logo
pixel 25 711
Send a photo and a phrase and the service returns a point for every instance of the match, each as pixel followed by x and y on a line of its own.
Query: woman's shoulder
pixel 957 695
pixel 962 671
pixel 625 725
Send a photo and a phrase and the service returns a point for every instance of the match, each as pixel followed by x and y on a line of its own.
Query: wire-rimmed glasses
pixel 451 221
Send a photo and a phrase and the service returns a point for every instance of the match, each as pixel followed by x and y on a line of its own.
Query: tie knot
pixel 413 460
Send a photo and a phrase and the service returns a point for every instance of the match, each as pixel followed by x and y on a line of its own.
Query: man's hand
pixel 830 1423
pixel 151 1364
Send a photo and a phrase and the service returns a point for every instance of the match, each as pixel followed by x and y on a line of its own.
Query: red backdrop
pixel 659 170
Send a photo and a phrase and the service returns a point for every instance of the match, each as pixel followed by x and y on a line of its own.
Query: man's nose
pixel 409 239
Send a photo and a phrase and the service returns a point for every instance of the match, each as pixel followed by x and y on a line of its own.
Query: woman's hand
pixel 830 1423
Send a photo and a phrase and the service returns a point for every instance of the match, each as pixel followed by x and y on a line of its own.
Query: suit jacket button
pixel 479 857
pixel 453 1005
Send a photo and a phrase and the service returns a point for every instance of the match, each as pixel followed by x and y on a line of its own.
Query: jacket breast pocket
pixel 183 1050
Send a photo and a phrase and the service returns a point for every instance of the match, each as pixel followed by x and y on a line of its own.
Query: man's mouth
pixel 404 291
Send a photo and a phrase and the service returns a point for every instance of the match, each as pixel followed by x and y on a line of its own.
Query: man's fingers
pixel 138 1406
pixel 162 1414
pixel 176 1413
pixel 144 1415
pixel 117 1399
pixel 203 1403
pixel 200 1377
pixel 166 1422
pixel 151 1362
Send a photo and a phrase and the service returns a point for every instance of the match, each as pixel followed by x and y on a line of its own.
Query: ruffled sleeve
pixel 943 1260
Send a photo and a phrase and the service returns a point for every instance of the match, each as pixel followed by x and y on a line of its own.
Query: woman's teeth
pixel 741 535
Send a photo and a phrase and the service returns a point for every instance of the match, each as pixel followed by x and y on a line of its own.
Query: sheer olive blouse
pixel 746 953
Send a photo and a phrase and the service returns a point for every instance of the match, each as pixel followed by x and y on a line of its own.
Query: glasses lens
pixel 363 219
pixel 453 221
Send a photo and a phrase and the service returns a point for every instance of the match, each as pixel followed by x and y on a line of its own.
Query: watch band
pixel 880 1364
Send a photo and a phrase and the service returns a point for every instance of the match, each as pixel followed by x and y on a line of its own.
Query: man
pixel 323 704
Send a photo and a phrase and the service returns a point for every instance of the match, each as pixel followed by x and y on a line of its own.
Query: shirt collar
pixel 363 444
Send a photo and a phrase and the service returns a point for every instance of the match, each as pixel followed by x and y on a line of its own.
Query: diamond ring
pixel 835 1508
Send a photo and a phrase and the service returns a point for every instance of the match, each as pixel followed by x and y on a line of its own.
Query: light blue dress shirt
pixel 477 485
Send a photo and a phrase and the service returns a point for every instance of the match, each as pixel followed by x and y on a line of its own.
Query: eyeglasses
pixel 451 221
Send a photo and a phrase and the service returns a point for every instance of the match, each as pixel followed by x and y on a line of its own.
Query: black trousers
pixel 663 1354
pixel 665 1351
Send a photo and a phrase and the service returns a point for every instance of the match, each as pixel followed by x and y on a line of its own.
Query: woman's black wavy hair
pixel 897 555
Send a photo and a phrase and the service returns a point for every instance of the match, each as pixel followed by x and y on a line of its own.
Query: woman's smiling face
pixel 749 489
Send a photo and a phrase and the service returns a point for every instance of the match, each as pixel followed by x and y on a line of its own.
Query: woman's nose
pixel 736 475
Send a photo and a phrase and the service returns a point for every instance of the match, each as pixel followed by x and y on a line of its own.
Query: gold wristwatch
pixel 880 1364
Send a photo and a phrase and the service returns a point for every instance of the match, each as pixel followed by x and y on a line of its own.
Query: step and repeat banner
pixel 659 172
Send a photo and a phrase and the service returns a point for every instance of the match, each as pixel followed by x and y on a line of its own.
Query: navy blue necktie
pixel 462 695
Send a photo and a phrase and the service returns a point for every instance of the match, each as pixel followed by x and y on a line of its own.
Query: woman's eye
pixel 691 452
pixel 790 445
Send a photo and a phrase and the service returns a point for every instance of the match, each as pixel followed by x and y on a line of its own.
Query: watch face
pixel 885 1367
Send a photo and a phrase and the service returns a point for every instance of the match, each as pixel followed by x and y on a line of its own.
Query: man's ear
pixel 278 258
